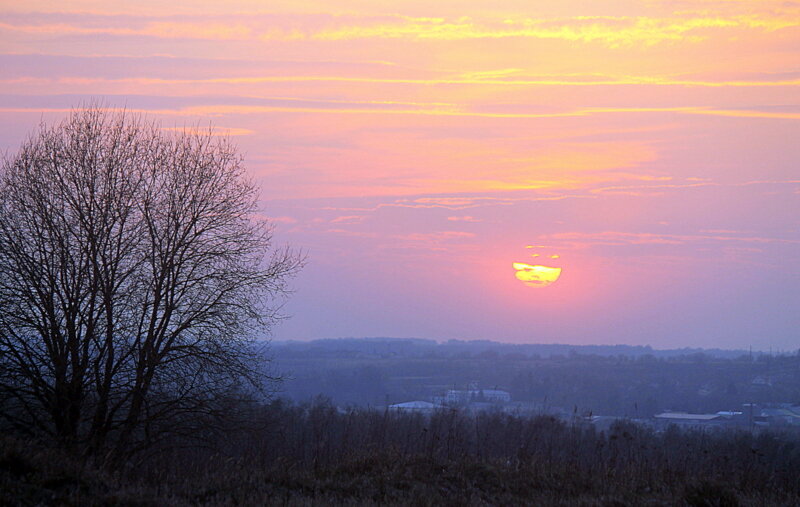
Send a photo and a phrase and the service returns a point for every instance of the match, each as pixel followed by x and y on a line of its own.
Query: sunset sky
pixel 417 150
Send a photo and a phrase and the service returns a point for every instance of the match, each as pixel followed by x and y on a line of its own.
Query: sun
pixel 536 276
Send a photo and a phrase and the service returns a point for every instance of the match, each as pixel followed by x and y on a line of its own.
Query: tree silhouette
pixel 134 280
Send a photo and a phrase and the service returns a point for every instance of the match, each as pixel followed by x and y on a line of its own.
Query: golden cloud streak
pixel 612 31
pixel 219 110
pixel 734 113
pixel 644 30
pixel 611 81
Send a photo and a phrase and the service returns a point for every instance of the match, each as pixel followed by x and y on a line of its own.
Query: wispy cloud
pixel 215 131
pixel 435 237
pixel 306 106
pixel 619 238
pixel 612 31
pixel 465 218
pixel 348 219
pixel 454 80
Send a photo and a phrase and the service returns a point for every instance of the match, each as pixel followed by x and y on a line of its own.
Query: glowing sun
pixel 536 276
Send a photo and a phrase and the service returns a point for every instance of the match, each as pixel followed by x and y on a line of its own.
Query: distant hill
pixel 415 347
pixel 619 380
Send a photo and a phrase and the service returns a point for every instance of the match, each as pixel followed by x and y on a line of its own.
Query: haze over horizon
pixel 417 151
pixel 555 345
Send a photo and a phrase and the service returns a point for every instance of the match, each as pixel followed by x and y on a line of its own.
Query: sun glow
pixel 536 276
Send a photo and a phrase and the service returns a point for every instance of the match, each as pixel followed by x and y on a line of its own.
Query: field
pixel 316 454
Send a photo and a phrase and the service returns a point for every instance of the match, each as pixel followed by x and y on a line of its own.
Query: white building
pixel 415 406
pixel 687 420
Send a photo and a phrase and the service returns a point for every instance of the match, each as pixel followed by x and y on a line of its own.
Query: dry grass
pixel 292 465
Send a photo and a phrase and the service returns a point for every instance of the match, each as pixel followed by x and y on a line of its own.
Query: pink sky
pixel 416 150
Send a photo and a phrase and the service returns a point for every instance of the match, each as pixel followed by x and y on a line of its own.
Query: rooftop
pixel 684 416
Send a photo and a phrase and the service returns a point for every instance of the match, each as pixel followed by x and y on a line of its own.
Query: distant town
pixel 475 399
pixel 594 385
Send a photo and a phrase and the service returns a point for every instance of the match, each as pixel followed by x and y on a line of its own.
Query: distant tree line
pixel 368 373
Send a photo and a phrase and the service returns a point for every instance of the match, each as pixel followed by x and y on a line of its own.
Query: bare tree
pixel 134 280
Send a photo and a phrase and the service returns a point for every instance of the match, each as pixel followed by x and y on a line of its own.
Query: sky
pixel 584 172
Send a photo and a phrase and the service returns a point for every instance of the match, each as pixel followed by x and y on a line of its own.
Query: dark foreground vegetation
pixel 317 454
